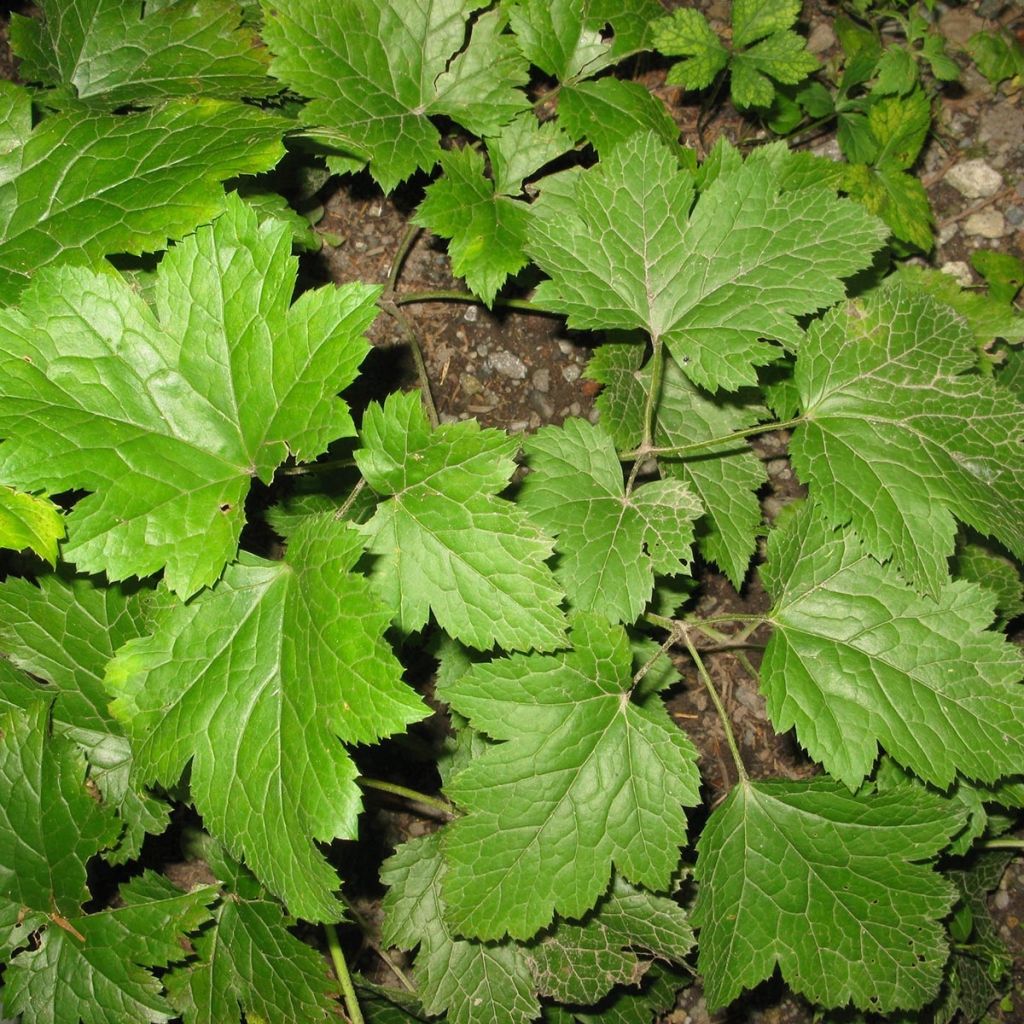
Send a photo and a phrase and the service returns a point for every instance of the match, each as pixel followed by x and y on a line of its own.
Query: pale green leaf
pixel 900 440
pixel 487 231
pixel 686 33
pixel 64 631
pixel 247 960
pixel 727 483
pixel 611 543
pixel 859 659
pixel 586 780
pixel 376 72
pixel 755 19
pixel 50 825
pixel 96 970
pixel 446 543
pixel 900 124
pixel 608 111
pixel 168 416
pixel 113 53
pixel 30 523
pixel 827 886
pixel 83 187
pixel 568 39
pixel 779 58
pixel 624 250
pixel 224 683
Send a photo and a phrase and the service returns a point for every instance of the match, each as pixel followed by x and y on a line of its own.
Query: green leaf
pixel 575 962
pixel 446 543
pixel 586 780
pixel 896 72
pixel 521 148
pixel 899 440
pixel 780 58
pixel 639 1004
pixel 897 197
pixel 473 982
pixel 109 52
pixel 82 187
pixel 611 543
pixel 981 563
pixel 986 318
pixel 1003 273
pixel 859 659
pixel 30 523
pixel 686 33
pixel 50 825
pixel 606 112
pixel 624 250
pixel 64 631
pixel 943 67
pixel 900 124
pixel 15 116
pixel 827 886
pixel 248 961
pixel 567 38
pixel 998 55
pixel 727 484
pixel 755 19
pixel 95 967
pixel 167 417
pixel 487 230
pixel 376 74
pixel 224 682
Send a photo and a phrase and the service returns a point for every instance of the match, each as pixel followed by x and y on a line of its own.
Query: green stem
pixel 317 467
pixel 350 500
pixel 650 407
pixel 709 685
pixel 689 449
pixel 417 357
pixel 352 1011
pixel 649 664
pixel 364 927
pixel 409 794
pixel 455 295
pixel 1004 844
pixel 408 240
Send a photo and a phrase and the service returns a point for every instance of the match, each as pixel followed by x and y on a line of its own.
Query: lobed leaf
pixel 586 779
pixel 166 418
pixel 30 523
pixel 446 543
pixel 224 682
pixel 901 440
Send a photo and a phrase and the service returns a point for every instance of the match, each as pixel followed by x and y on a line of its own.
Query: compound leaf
pixel 249 961
pixel 726 484
pixel 779 58
pixel 30 523
pixel 859 658
pixel 50 825
pixel 79 188
pixel 104 52
pixel 686 33
pixel 447 544
pixel 900 440
pixel 224 682
pixel 95 968
pixel 611 543
pixel 624 250
pixel 377 72
pixel 586 780
pixel 828 886
pixel 608 111
pixel 168 417
pixel 64 631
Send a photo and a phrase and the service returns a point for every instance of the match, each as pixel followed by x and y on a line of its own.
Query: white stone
pixel 822 38
pixel 507 364
pixel 959 270
pixel 975 179
pixel 986 224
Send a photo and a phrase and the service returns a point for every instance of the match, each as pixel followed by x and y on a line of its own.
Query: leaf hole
pixel 226 507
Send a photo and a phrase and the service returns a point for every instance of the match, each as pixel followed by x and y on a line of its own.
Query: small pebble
pixel 507 364
pixel 974 179
pixel 470 385
pixel 946 233
pixel 571 373
pixel 959 270
pixel 566 348
pixel 1001 899
pixel 822 38
pixel 1015 215
pixel 472 312
pixel 986 224
pixel 541 380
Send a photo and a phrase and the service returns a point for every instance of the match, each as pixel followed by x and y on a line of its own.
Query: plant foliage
pixel 228 589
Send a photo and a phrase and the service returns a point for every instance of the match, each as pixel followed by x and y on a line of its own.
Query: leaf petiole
pixel 348 992
pixel 409 794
